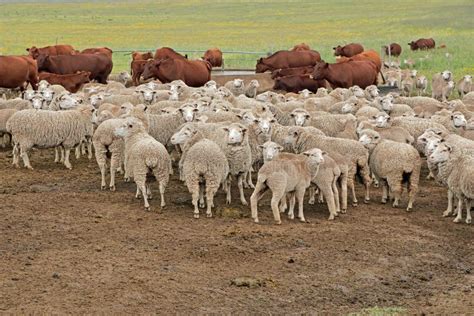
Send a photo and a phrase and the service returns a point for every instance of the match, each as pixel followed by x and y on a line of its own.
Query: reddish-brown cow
pixel 291 72
pixel 395 49
pixel 287 59
pixel 422 43
pixel 348 74
pixel 297 83
pixel 142 56
pixel 301 47
pixel 17 72
pixel 71 83
pixel 194 73
pixel 214 57
pixel 51 50
pixel 137 67
pixel 370 55
pixel 98 65
pixel 348 50
pixel 166 52
pixel 99 50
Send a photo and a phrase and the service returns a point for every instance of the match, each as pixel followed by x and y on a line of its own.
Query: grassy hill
pixel 258 26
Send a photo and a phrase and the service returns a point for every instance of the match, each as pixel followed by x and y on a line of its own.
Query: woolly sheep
pixel 452 123
pixel 49 129
pixel 287 173
pixel 123 77
pixel 144 153
pixel 381 124
pixel 330 125
pixel 119 99
pixel 392 163
pixel 251 89
pixel 5 115
pixel 236 86
pixel 464 85
pixel 439 85
pixel 421 85
pixel 16 103
pixel 407 86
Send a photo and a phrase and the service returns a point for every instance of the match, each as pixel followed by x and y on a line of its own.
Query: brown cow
pixel 348 74
pixel 301 47
pixel 16 71
pixel 395 49
pixel 370 54
pixel 291 72
pixel 98 65
pixel 422 43
pixel 137 67
pixel 297 83
pixel 99 50
pixel 166 52
pixel 214 57
pixel 51 50
pixel 71 83
pixel 348 50
pixel 142 56
pixel 287 59
pixel 194 73
pixel 32 71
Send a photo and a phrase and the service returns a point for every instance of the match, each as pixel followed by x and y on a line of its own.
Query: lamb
pixel 236 86
pixel 408 86
pixel 352 150
pixel 16 103
pixel 440 85
pixel 455 169
pixel 330 125
pixel 381 125
pixel 64 101
pixel 421 85
pixel 458 105
pixel 152 96
pixel 251 89
pixel 464 85
pixel 396 110
pixel 204 165
pixel 287 173
pixel 452 123
pixel 392 163
pixel 144 153
pixel 371 92
pixel 49 129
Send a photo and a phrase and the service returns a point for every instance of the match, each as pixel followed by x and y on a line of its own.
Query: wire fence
pixel 242 60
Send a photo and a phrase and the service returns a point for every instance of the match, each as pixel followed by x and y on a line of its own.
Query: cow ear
pixel 260 60
pixel 27 49
pixel 326 65
pixel 334 48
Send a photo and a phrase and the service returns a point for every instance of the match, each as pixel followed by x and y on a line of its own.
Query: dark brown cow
pixel 99 50
pixel 422 43
pixel 301 47
pixel 166 52
pixel 142 56
pixel 287 59
pixel 297 83
pixel 71 83
pixel 348 50
pixel 137 67
pixel 214 57
pixel 291 72
pixel 98 65
pixel 51 50
pixel 395 49
pixel 348 74
pixel 17 71
pixel 194 73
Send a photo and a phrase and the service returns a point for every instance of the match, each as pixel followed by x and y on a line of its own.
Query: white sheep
pixel 236 86
pixel 440 85
pixel 251 89
pixel 464 85
pixel 421 85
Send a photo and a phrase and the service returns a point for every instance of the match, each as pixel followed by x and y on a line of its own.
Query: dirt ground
pixel 67 247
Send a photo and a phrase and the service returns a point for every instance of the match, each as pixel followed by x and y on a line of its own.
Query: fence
pixel 232 60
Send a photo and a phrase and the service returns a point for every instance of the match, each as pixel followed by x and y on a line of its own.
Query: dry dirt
pixel 67 247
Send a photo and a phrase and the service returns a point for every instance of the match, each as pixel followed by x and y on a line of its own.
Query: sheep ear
pixel 450 148
pixel 260 146
pixel 280 148
pixel 226 129
pixel 239 116
pixel 272 120
pixel 256 121
pixel 292 115
pixel 195 110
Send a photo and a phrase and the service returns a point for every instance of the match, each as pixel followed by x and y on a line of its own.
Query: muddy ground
pixel 66 246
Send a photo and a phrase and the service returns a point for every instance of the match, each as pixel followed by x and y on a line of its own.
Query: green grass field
pixel 258 26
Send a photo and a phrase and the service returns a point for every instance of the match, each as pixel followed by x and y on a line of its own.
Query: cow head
pixel 261 66
pixel 413 45
pixel 150 69
pixel 338 50
pixel 42 60
pixel 33 51
pixel 319 72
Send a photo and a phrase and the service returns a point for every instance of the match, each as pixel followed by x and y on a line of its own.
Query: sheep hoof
pixel 409 209
pixel 277 222
pixel 112 188
pixel 344 211
pixel 202 205
pixel 366 200
pixel 251 186
pixel 354 204
pixel 102 187
pixel 244 202
pixel 147 208
pixel 209 215
pixel 303 220
pixel 331 218
pixel 468 221
pixel 255 220
pixel 196 216
pixel 311 202
pixel 457 220
pixel 291 216
pixel 395 204
pixel 376 185
pixel 126 179
pixel 446 213
pixel 384 201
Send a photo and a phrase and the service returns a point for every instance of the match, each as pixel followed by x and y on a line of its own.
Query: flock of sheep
pixel 216 136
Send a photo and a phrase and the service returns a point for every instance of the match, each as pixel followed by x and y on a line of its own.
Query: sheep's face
pixel 224 93
pixel 270 150
pixel 88 111
pixel 387 104
pixel 247 117
pixel 305 93
pixel 277 98
pixel 428 140
pixel 441 153
pixel 124 76
pixel 211 84
pixel 447 75
pixel 458 119
pixel 48 94
pixel 102 117
pixel 347 107
pixel 370 139
pixel 148 95
pixel 263 97
pixel 322 92
pixel 238 83
pixel 67 102
pixel 254 83
pixel 43 84
pixel 29 94
pixel 450 85
pixel 357 92
pixel 292 136
pixel 315 155
pixel 182 136
pixel 300 117
pixel 467 79
pixel 130 126
pixel 381 120
pixel 125 108
pixel 151 85
pixel 373 91
pixel 235 134
pixel 37 102
pixel 265 124
pixel 421 82
pixel 413 73
pixel 392 81
pixel 96 99
pixel 203 104
pixel 188 111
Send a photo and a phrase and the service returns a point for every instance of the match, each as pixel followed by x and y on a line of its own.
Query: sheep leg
pixel 412 190
pixel 312 195
pixel 16 158
pixel 229 195
pixel 24 156
pixel 140 181
pixel 56 155
pixel 449 210
pixel 78 151
pixel 193 187
pixel 335 191
pixel 202 204
pixel 343 184
pixel 89 149
pixel 274 204
pixel 300 198
pixel 148 192
pixel 114 164
pixel 468 209
pixel 395 185
pixel 249 179
pixel 459 215
pixel 162 188
pixel 291 211
pixel 327 192
pixel 350 183
pixel 61 149
pixel 384 191
pixel 257 194
pixel 66 158
pixel 283 205
pixel 210 192
pixel 320 197
pixel 240 184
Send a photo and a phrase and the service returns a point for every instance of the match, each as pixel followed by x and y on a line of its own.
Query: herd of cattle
pixel 329 126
